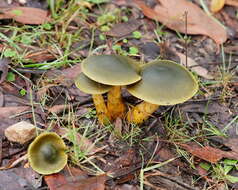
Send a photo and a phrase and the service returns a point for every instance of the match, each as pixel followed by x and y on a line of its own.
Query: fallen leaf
pixel 9 88
pixel 123 29
pixel 172 14
pixel 32 179
pixel 232 23
pixel 231 142
pixel 58 108
pixel 91 183
pixel 3 69
pixel 201 71
pixel 203 173
pixel 126 159
pixel 1 98
pixel 164 154
pixel 232 3
pixel 9 181
pixel 217 5
pixel 126 187
pixel 1 149
pixel 40 56
pixel 13 163
pixel 75 181
pixel 209 153
pixel 66 76
pixel 25 15
pixel 6 112
pixel 68 175
pixel 231 49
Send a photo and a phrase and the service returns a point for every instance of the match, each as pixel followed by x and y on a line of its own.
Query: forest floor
pixel 188 146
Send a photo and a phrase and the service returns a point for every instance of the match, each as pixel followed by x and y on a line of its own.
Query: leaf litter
pixel 3 69
pixel 208 153
pixel 201 71
pixel 21 14
pixel 73 178
pixel 109 156
pixel 122 29
pixel 172 14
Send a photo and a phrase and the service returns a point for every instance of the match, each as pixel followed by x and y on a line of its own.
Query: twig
pixel 168 177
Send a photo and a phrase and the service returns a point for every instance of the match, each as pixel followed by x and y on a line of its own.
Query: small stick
pixel 186 38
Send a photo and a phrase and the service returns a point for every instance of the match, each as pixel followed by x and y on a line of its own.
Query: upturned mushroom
pixel 96 89
pixel 163 83
pixel 114 70
pixel 46 154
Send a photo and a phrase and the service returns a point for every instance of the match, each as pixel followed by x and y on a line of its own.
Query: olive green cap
pixel 46 154
pixel 116 70
pixel 89 86
pixel 164 83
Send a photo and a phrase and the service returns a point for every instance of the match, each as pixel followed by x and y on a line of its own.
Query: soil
pixel 58 103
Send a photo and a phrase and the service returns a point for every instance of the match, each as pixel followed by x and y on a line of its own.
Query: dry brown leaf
pixel 203 173
pixel 201 71
pixel 232 3
pixel 40 56
pixel 3 69
pixel 123 29
pixel 217 5
pixel 126 187
pixel 25 15
pixel 6 112
pixel 75 181
pixel 58 108
pixel 91 183
pixel 172 14
pixel 209 153
pixel 9 180
pixel 14 163
pixel 66 76
pixel 68 176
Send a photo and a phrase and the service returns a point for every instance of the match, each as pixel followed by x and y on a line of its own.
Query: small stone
pixel 20 132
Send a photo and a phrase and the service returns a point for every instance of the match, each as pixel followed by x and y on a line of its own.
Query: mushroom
pixel 114 70
pixel 96 89
pixel 163 83
pixel 46 154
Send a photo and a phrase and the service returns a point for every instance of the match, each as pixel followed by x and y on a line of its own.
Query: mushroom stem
pixel 115 104
pixel 101 109
pixel 141 112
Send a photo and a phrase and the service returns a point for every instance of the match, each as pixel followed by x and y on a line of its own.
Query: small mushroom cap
pixel 113 70
pixel 89 86
pixel 46 153
pixel 164 83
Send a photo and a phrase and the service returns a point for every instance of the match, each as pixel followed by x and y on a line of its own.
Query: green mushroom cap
pixel 113 70
pixel 89 86
pixel 164 83
pixel 46 153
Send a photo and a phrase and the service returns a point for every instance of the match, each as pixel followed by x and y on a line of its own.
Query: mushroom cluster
pixel 157 83
pixel 163 83
pixel 107 73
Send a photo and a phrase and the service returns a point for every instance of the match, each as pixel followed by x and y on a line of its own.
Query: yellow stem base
pixel 115 104
pixel 101 109
pixel 141 112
